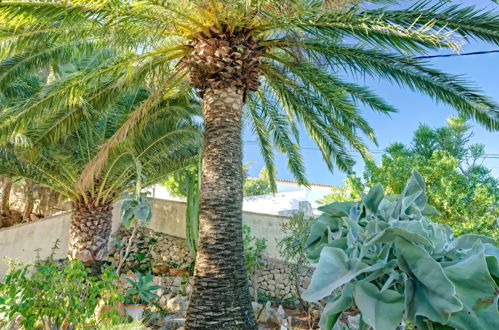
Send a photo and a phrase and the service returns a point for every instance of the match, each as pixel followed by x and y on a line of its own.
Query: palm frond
pixel 451 89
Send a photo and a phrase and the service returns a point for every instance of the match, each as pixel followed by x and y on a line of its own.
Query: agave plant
pixel 383 257
pixel 141 291
pixel 280 63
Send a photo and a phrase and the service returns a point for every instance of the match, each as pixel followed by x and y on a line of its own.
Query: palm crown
pixel 295 55
pixel 53 153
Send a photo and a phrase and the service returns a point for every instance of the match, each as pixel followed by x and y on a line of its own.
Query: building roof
pixel 311 184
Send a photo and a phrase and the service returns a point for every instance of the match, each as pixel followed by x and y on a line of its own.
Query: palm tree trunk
pixel 220 296
pixel 4 200
pixel 29 188
pixel 89 232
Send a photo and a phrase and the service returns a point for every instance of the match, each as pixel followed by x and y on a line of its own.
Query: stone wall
pixel 149 249
pixel 152 249
pixel 275 281
pixel 168 222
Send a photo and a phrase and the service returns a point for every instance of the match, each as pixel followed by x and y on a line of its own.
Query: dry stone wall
pixel 151 248
pixel 275 281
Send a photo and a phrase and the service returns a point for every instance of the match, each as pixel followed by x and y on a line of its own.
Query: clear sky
pixel 413 110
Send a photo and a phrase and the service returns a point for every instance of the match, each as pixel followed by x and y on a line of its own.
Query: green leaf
pixel 389 234
pixel 492 257
pixel 477 290
pixel 339 209
pixel 428 292
pixel 373 198
pixel 415 227
pixel 381 310
pixel 467 241
pixel 335 307
pixel 429 211
pixel 127 217
pixel 375 226
pixel 314 253
pixel 414 193
pixel 143 212
pixel 335 268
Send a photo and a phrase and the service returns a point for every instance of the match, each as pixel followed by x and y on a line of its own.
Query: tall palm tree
pixel 166 143
pixel 281 64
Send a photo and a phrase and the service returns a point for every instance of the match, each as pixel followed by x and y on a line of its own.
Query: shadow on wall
pixel 25 241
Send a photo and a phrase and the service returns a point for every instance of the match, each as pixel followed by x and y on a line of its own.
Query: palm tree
pixel 281 64
pixel 165 144
pixel 10 95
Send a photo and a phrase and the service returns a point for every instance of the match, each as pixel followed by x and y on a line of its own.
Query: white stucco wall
pixel 21 242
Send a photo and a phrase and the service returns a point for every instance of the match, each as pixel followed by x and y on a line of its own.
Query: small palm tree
pixel 165 144
pixel 282 64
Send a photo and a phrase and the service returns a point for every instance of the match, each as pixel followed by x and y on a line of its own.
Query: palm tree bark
pixel 29 189
pixel 89 232
pixel 220 296
pixel 4 201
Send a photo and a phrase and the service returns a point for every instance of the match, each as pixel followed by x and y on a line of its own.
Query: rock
pixel 281 315
pixel 353 321
pixel 174 321
pixel 257 308
pixel 178 304
pixel 155 320
pixel 340 325
pixel 163 300
pixel 268 316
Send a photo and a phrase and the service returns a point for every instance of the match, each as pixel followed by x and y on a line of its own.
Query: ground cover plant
pixel 57 295
pixel 384 258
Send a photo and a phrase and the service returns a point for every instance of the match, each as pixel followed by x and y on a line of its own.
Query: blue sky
pixel 413 110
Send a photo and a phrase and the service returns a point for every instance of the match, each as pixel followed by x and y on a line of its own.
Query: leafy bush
pixel 54 295
pixel 462 188
pixel 383 257
pixel 296 232
pixel 253 254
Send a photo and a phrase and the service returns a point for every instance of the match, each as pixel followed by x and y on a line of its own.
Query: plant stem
pixel 127 251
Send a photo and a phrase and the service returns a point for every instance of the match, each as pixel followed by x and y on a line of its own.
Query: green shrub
pixel 51 294
pixel 253 256
pixel 383 257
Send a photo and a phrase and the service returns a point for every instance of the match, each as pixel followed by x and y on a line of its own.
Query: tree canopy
pixel 457 182
pixel 307 51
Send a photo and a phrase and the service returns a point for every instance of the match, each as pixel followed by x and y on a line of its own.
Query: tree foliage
pixel 307 49
pixel 52 149
pixel 257 186
pixel 458 184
